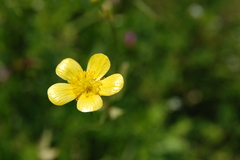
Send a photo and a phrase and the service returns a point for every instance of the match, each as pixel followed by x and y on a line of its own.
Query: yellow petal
pixel 61 93
pixel 111 85
pixel 68 68
pixel 89 103
pixel 99 64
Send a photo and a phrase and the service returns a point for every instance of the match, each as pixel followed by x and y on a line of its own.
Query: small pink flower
pixel 4 74
pixel 130 38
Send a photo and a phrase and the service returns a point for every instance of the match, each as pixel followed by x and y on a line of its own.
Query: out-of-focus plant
pixel 179 60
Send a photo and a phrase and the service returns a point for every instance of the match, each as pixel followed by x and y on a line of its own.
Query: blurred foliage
pixel 180 61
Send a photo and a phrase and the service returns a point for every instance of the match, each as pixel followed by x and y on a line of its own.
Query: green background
pixel 181 65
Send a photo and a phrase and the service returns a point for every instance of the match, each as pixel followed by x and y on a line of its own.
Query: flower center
pixel 85 82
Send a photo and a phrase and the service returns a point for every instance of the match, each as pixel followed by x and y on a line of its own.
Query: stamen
pixel 85 82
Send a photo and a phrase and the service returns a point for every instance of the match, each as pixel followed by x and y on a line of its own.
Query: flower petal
pixel 68 68
pixel 61 93
pixel 111 85
pixel 89 103
pixel 99 64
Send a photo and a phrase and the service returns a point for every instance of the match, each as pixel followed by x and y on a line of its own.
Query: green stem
pixel 115 46
pixel 94 117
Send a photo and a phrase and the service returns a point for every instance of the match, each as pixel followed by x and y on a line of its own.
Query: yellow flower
pixel 85 86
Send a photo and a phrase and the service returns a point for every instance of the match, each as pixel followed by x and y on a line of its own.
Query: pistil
pixel 85 82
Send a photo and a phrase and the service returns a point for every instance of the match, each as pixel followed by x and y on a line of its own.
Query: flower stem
pixel 94 117
pixel 115 46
